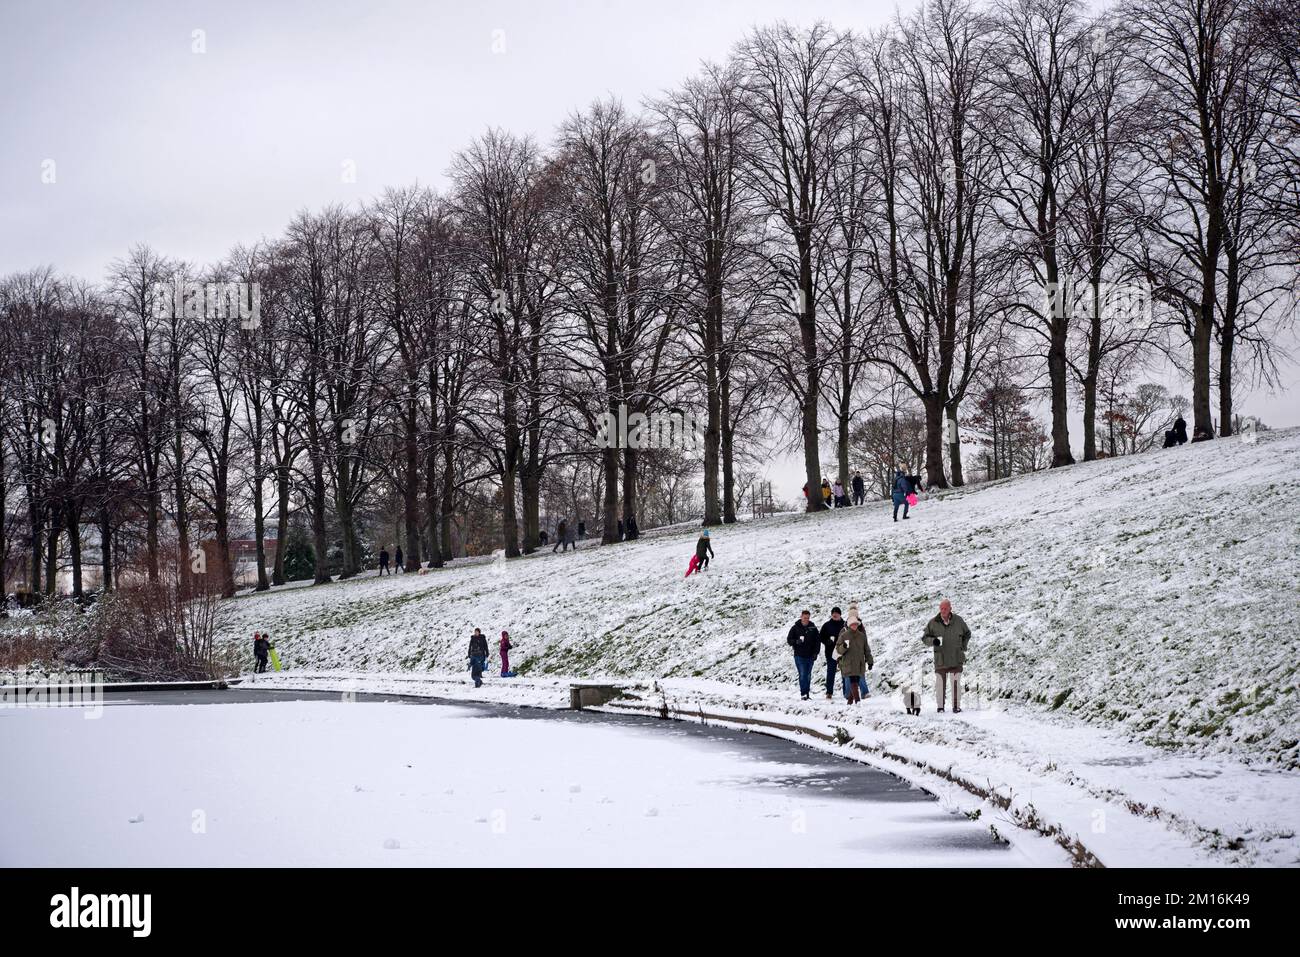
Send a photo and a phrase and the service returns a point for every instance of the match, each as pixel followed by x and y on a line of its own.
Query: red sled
pixel 911 499
pixel 694 566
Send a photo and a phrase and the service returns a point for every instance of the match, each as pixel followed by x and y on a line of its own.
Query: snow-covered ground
pixel 1136 631
pixel 374 784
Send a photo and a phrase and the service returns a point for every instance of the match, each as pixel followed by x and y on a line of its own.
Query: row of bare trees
pixel 775 245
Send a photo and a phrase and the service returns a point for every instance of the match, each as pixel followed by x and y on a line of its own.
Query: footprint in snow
pixel 652 812
pixel 575 788
pixel 136 819
pixel 392 844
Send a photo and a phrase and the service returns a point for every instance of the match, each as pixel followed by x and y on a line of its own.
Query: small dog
pixel 911 701
pixel 423 571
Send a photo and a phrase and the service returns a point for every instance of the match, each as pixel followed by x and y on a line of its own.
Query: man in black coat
pixel 397 560
pixel 831 631
pixel 805 640
pixel 859 489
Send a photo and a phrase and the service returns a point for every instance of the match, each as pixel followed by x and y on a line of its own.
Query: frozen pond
pixel 259 781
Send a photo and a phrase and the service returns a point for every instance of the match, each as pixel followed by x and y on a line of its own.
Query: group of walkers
pixel 478 656
pixel 399 564
pixel 903 492
pixel 836 496
pixel 847 650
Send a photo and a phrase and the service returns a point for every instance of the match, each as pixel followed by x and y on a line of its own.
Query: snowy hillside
pixel 1158 595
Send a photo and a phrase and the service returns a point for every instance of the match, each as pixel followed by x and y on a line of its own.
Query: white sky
pixel 195 152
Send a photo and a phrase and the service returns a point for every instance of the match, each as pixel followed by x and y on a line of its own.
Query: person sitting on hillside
pixel 703 550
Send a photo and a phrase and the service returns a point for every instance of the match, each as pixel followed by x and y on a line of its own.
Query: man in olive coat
pixel 948 635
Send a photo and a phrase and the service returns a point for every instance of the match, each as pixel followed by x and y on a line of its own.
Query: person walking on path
pixel 854 656
pixel 805 640
pixel 261 649
pixel 949 637
pixel 902 488
pixel 383 562
pixel 561 531
pixel 859 489
pixel 703 550
pixel 829 633
pixel 504 648
pixel 478 654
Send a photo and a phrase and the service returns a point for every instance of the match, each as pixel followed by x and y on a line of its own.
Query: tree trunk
pixel 1058 371
pixel 934 420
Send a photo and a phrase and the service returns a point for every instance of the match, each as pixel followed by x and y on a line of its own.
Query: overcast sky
pixel 147 140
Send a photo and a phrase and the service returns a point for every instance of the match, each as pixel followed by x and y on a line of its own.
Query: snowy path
pixel 381 784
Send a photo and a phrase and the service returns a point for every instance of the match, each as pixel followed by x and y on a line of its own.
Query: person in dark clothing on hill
pixel 560 531
pixel 859 489
pixel 1180 430
pixel 582 530
pixel 478 654
pixel 703 550
pixel 383 562
pixel 397 560
pixel 620 529
pixel 829 632
pixel 805 640
pixel 261 648
pixel 902 488
pixel 632 531
pixel 542 537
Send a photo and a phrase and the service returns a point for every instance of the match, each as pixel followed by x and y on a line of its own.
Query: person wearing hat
pixel 703 550
pixel 829 633
pixel 854 655
pixel 261 648
pixel 504 648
